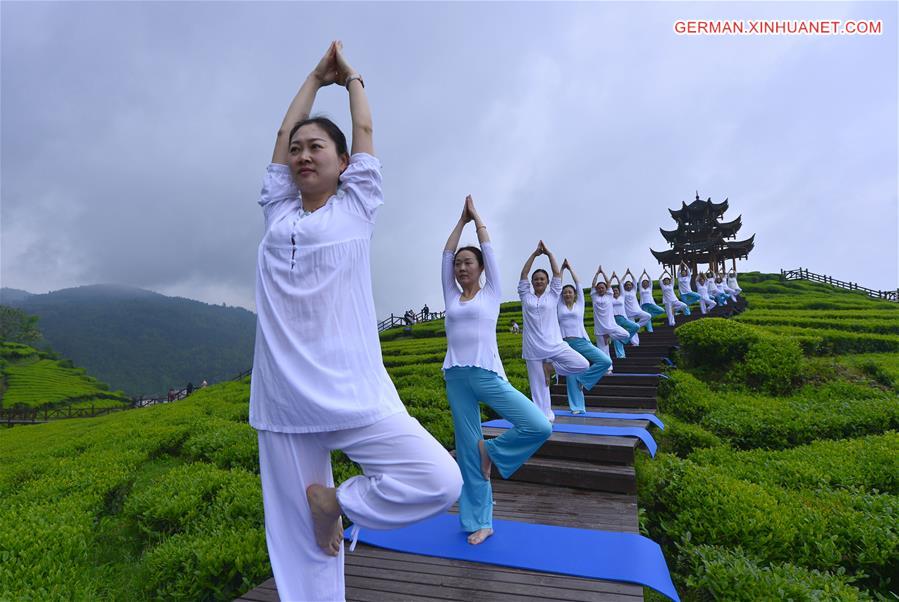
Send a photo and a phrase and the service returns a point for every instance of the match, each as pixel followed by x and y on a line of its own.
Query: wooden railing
pixel 394 321
pixel 804 274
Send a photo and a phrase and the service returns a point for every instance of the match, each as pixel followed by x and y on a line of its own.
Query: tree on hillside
pixel 18 327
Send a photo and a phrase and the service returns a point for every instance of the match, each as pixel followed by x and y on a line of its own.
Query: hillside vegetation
pixel 140 341
pixel 776 477
pixel 779 475
pixel 35 379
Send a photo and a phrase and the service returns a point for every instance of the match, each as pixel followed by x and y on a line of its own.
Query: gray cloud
pixel 134 135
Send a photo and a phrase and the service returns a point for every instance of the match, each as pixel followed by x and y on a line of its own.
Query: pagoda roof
pixel 698 208
pixel 705 250
pixel 718 231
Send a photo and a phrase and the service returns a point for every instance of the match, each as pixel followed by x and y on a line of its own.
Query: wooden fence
pixel 804 274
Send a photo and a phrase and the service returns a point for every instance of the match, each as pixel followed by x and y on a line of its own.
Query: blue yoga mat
pixel 589 429
pixel 608 555
pixel 615 415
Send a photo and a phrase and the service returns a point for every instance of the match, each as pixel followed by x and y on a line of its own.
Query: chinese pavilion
pixel 700 237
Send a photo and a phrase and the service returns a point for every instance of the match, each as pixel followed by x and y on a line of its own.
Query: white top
pixel 646 294
pixel 719 286
pixel 667 292
pixel 471 325
pixel 631 306
pixel 571 321
pixel 542 337
pixel 732 282
pixel 317 361
pixel 683 283
pixel 603 316
pixel 703 289
pixel 618 304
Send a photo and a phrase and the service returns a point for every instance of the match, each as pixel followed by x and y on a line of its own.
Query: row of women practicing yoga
pixel 319 383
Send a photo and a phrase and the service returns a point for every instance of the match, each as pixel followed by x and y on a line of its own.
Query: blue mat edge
pixel 616 431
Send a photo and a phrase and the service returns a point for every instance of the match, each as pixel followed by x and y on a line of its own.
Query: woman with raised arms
pixel 706 303
pixel 474 372
pixel 604 325
pixel 647 303
pixel 319 383
pixel 669 299
pixel 570 312
pixel 542 341
pixel 620 314
pixel 684 284
pixel 632 309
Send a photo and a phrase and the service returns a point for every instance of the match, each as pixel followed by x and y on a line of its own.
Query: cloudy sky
pixel 135 135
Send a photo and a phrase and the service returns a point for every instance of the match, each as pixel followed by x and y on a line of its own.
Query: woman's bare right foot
pixel 479 536
pixel 325 518
pixel 486 463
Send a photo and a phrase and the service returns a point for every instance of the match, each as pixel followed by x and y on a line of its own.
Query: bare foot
pixel 325 518
pixel 486 463
pixel 548 373
pixel 479 536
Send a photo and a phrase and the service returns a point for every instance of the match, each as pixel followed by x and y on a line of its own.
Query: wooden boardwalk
pixel 574 480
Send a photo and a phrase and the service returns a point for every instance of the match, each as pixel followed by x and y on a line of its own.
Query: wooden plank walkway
pixel 574 480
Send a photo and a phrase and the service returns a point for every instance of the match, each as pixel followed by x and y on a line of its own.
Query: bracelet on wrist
pixel 351 78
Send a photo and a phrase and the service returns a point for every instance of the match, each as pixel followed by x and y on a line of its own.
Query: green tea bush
pixel 715 342
pixel 685 396
pixel 772 364
pixel 682 438
pixel 719 573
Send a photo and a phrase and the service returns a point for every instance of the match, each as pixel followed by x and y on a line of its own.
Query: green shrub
pixel 772 364
pixel 684 396
pixel 681 438
pixel 715 342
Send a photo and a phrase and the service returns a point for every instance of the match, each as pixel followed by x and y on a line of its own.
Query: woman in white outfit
pixel 319 383
pixel 669 299
pixel 706 303
pixel 647 302
pixel 604 325
pixel 732 282
pixel 542 340
pixel 632 309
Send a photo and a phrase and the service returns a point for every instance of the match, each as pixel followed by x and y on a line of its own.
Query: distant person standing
pixel 190 388
pixel 171 394
pixel 204 384
pixel 425 313
pixel 515 328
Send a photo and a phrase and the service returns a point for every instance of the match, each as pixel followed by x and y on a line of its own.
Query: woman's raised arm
pixel 324 74
pixel 360 112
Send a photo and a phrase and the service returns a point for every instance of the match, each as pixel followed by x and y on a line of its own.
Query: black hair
pixel 537 271
pixel 571 286
pixel 477 254
pixel 330 128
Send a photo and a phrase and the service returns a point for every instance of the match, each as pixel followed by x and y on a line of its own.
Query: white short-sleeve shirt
pixel 683 283
pixel 571 321
pixel 646 295
pixel 603 314
pixel 668 295
pixel 618 305
pixel 542 336
pixel 631 306
pixel 471 325
pixel 317 362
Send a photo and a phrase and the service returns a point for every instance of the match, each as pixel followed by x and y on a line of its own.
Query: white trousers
pixel 566 363
pixel 671 307
pixel 706 304
pixel 408 477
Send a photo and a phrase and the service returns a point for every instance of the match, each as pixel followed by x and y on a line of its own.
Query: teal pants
pixel 600 362
pixel 689 298
pixel 465 387
pixel 653 310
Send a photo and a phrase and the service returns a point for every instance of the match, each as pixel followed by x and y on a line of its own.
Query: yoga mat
pixel 587 429
pixel 627 557
pixel 615 415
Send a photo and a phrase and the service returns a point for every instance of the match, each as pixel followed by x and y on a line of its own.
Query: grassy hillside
pixel 779 472
pixel 776 475
pixel 140 341
pixel 35 379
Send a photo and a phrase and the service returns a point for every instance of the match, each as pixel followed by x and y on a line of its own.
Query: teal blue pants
pixel 689 298
pixel 653 310
pixel 600 362
pixel 465 387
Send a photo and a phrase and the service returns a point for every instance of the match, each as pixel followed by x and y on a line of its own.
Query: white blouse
pixel 703 290
pixel 603 316
pixel 667 293
pixel 618 304
pixel 732 282
pixel 631 307
pixel 571 321
pixel 471 325
pixel 542 336
pixel 683 283
pixel 646 295
pixel 317 361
